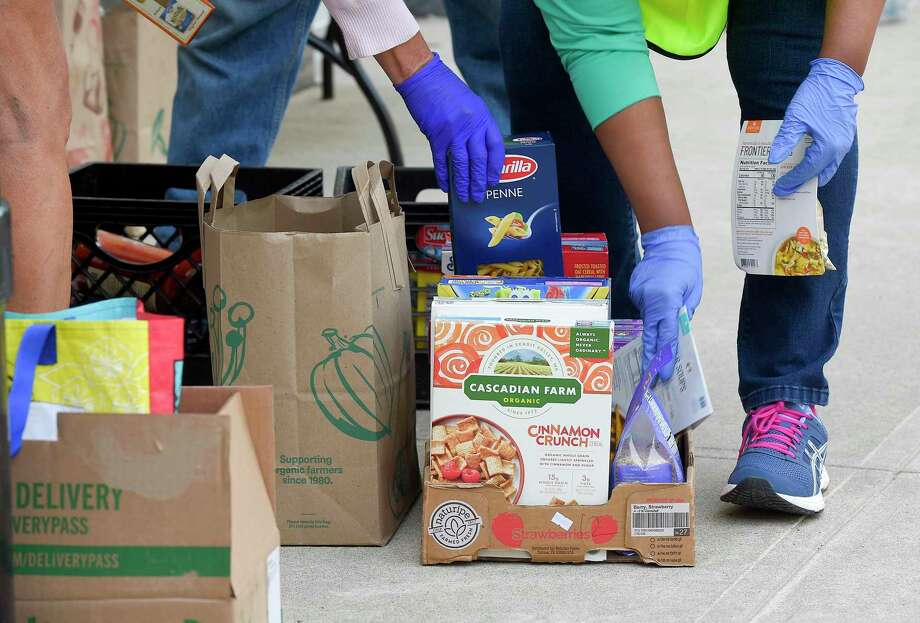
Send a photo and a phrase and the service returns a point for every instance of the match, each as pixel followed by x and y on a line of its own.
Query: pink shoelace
pixel 776 427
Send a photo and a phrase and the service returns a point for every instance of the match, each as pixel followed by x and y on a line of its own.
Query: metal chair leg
pixel 338 56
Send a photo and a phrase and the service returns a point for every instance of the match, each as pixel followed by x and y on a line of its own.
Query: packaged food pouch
pixel 647 451
pixel 773 235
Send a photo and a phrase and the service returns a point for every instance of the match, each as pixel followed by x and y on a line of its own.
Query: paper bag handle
pixel 223 184
pixel 372 196
pixel 202 184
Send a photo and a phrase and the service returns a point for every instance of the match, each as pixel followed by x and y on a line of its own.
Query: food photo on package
pixel 771 235
pixel 515 231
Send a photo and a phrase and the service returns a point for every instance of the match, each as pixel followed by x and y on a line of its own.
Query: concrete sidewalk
pixel 859 559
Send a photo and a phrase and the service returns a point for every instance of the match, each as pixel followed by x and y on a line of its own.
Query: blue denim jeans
pixel 236 77
pixel 474 35
pixel 789 327
pixel 235 80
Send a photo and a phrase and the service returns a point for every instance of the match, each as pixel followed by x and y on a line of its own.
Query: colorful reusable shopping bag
pixel 110 356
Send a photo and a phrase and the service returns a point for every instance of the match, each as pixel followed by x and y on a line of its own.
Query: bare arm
pixel 34 123
pixel 636 142
pixel 403 60
pixel 849 29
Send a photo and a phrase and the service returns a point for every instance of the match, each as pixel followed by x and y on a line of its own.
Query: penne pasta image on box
pixel 515 231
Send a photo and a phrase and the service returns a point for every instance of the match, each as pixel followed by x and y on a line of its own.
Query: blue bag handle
pixel 37 348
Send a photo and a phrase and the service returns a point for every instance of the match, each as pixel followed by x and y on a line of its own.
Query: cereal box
pixel 541 311
pixel 515 230
pixel 585 255
pixel 774 235
pixel 524 288
pixel 524 407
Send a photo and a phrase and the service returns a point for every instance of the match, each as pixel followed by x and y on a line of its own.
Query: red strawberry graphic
pixel 504 526
pixel 603 528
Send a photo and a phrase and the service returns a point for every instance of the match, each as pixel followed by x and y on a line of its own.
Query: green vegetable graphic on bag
pixel 238 315
pixel 350 368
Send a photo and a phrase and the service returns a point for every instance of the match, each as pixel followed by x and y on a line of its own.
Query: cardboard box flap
pixel 258 407
pixel 255 535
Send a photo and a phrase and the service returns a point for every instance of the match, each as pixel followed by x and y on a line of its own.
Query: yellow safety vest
pixel 683 29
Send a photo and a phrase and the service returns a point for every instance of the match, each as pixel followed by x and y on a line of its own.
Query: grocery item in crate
pixel 685 395
pixel 523 288
pixel 773 235
pixel 647 450
pixel 424 283
pixel 526 404
pixel 515 230
pixel 180 19
pixel 585 255
pixel 447 260
pixel 431 239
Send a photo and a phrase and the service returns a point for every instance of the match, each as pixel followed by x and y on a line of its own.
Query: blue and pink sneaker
pixel 781 462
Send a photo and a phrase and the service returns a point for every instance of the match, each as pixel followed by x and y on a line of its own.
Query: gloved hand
pixel 824 106
pixel 455 119
pixel 669 276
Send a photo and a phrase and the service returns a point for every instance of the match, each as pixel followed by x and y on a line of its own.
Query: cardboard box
pixel 141 75
pixel 524 288
pixel 151 518
pixel 653 524
pixel 515 231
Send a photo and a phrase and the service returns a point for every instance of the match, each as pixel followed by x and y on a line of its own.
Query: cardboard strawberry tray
pixel 649 523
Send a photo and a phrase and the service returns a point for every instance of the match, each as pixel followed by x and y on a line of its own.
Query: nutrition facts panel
pixel 755 202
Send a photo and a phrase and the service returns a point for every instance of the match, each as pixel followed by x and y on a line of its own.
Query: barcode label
pixel 747 262
pixel 660 519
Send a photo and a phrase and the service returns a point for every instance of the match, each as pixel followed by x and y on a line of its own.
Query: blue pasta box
pixel 515 231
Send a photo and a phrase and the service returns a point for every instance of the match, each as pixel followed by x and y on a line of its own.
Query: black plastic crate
pixel 130 241
pixel 410 183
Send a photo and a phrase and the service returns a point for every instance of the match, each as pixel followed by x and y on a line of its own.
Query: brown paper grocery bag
pixel 81 33
pixel 311 295
pixel 140 74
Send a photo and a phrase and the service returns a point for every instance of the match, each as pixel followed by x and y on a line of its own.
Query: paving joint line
pixel 799 572
pixel 765 603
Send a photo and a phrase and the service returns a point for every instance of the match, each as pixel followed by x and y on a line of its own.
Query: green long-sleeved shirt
pixel 602 45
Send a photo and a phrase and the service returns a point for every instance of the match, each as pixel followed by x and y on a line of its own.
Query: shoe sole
pixel 759 493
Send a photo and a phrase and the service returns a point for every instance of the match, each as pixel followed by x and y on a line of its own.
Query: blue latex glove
pixel 669 276
pixel 455 120
pixel 824 106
